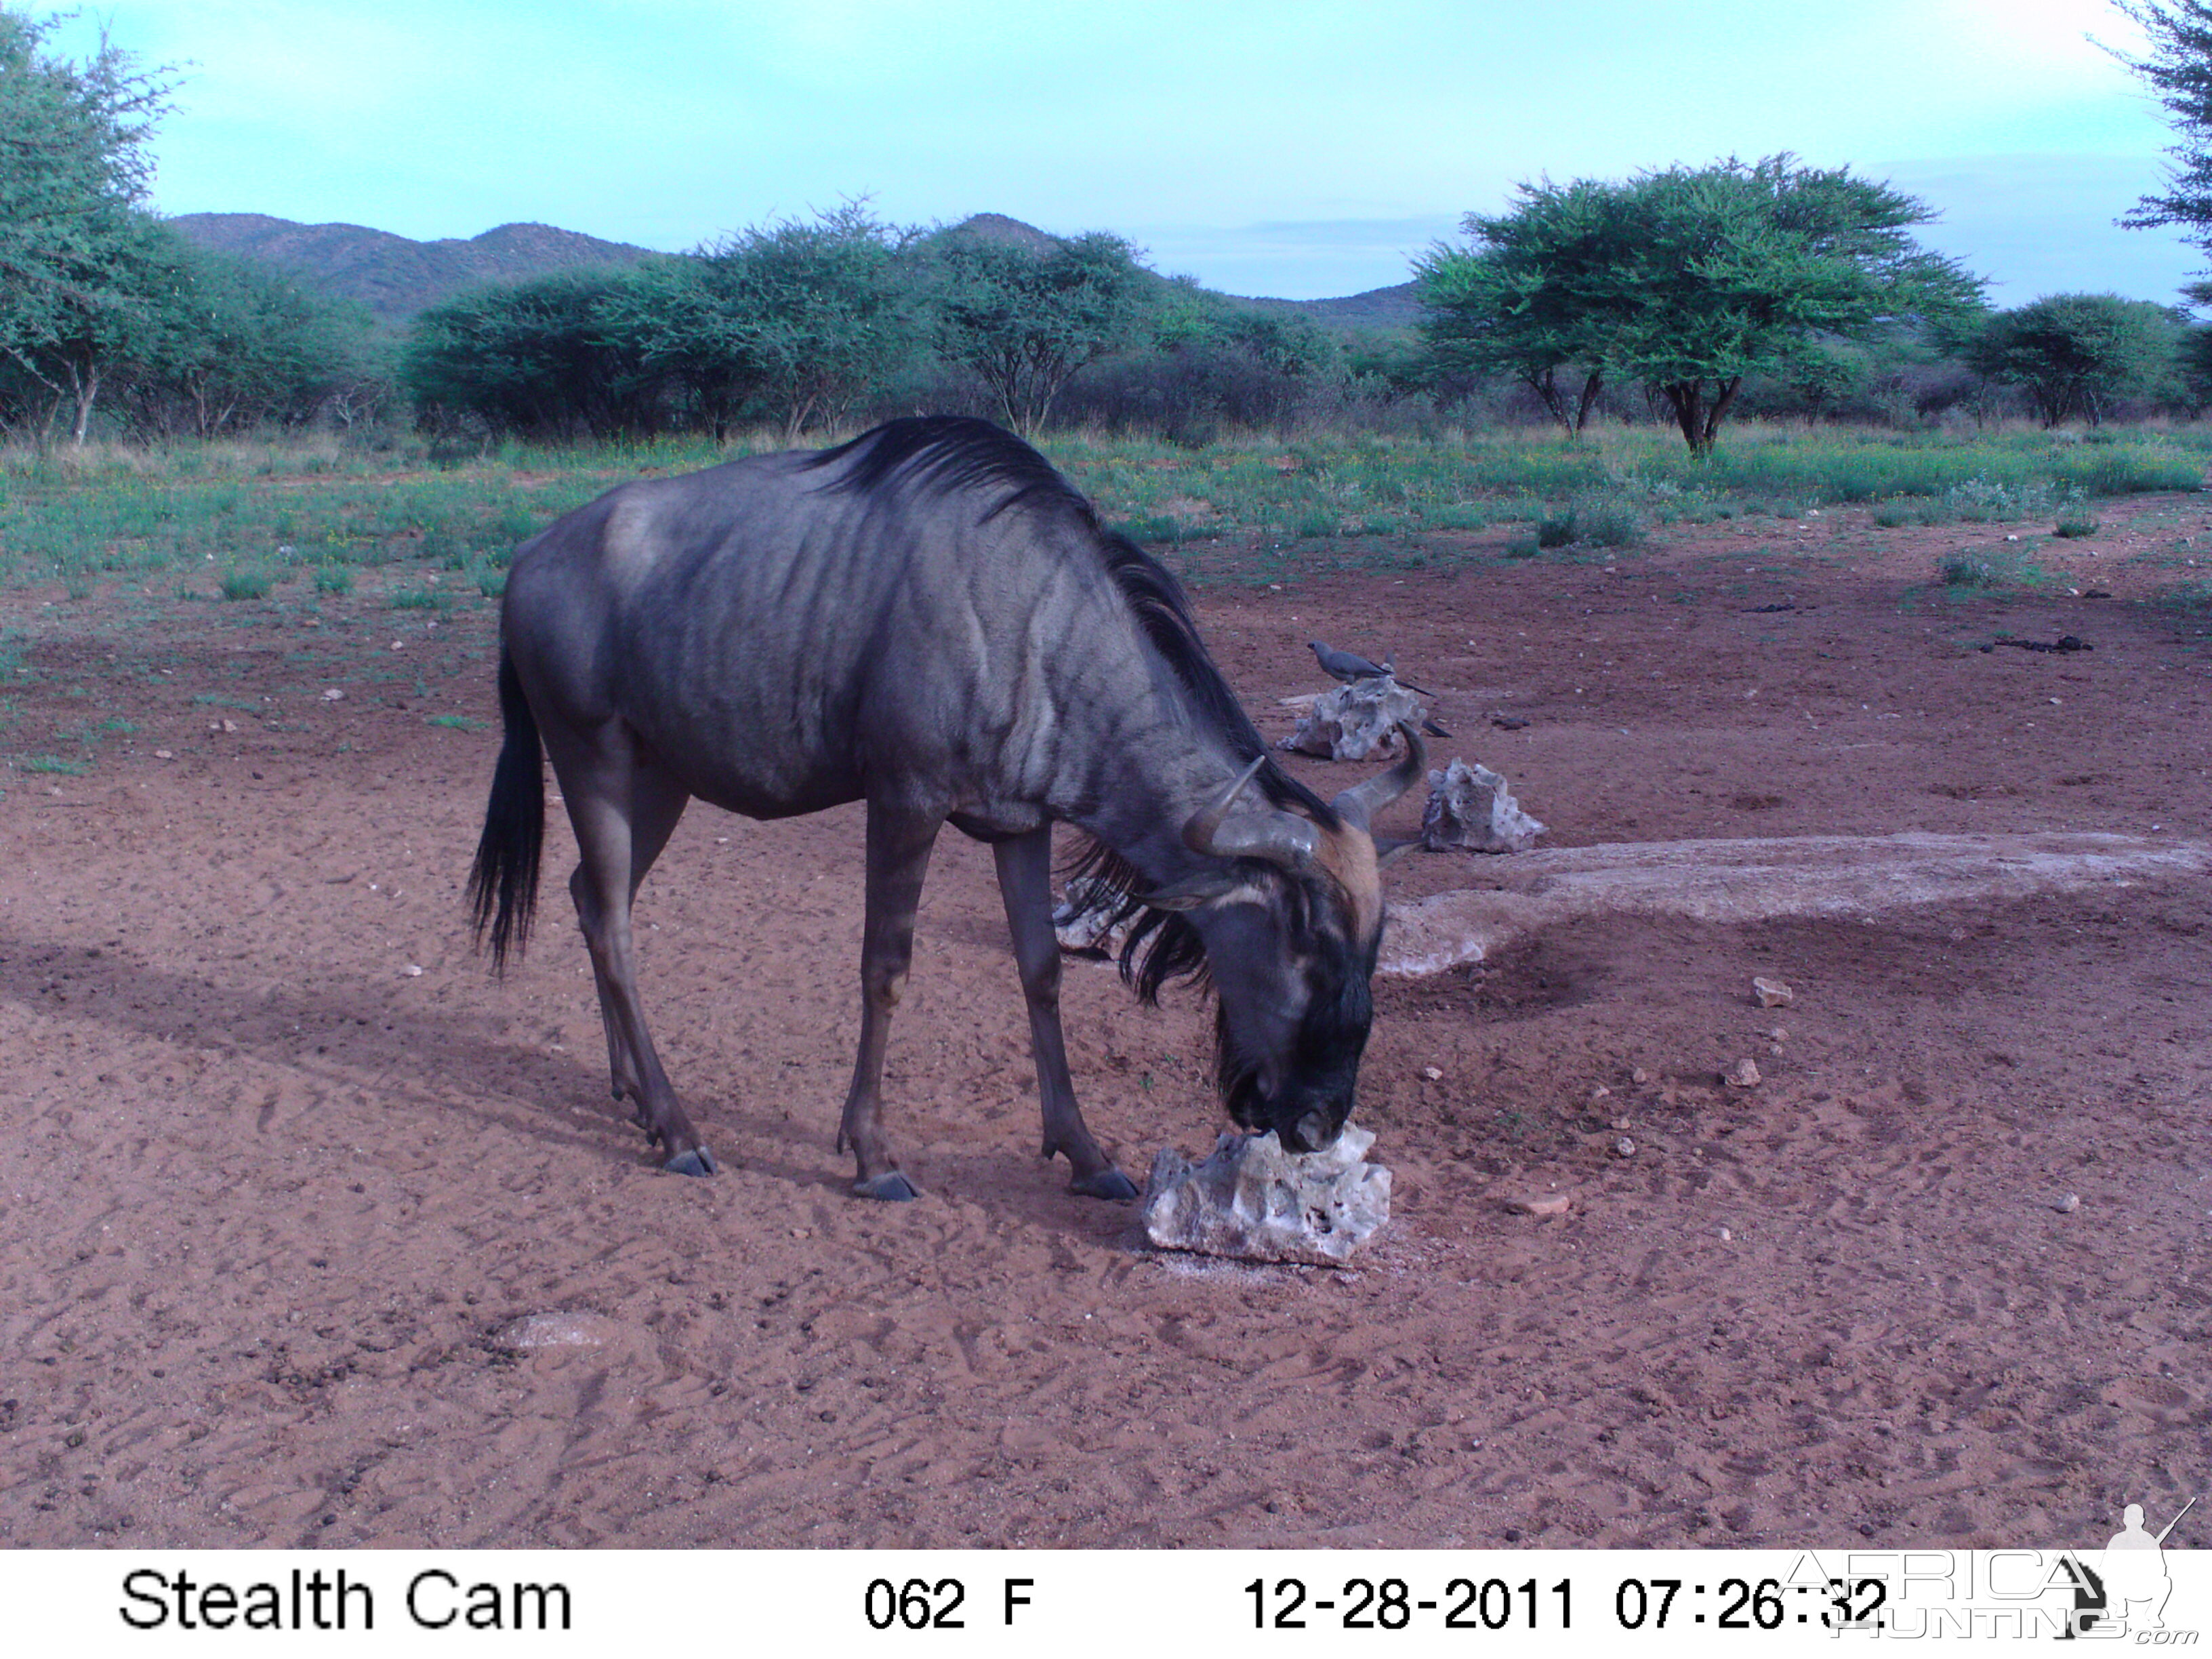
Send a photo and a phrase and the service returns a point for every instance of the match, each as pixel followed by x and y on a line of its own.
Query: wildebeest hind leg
pixel 623 811
pixel 1026 884
pixel 899 844
pixel 656 803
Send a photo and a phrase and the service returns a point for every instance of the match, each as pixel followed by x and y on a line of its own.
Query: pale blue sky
pixel 1285 148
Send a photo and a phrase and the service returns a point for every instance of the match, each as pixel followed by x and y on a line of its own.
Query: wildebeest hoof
pixel 696 1161
pixel 892 1187
pixel 1109 1183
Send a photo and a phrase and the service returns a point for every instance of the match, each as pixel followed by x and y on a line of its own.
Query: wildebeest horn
pixel 1279 837
pixel 1358 804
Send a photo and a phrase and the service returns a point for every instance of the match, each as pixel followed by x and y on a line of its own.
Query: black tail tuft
pixel 502 890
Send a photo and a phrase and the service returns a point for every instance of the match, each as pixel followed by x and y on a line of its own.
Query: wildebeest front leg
pixel 899 844
pixel 1026 884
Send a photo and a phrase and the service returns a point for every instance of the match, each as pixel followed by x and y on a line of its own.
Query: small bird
pixel 1344 666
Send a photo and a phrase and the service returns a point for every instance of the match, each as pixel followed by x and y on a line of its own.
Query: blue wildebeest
pixel 931 620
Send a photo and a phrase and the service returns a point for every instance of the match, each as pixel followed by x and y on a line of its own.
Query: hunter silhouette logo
pixel 2127 1590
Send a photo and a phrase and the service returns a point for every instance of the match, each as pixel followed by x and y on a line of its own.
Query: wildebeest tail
pixel 502 890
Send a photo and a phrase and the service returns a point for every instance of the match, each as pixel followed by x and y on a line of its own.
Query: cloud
pixel 2038 224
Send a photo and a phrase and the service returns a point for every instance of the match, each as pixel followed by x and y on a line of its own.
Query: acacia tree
pixel 76 249
pixel 1688 280
pixel 558 356
pixel 1526 300
pixel 2077 354
pixel 1027 321
pixel 2178 70
pixel 800 319
pixel 233 342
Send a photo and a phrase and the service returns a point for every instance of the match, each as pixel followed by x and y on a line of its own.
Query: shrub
pixel 333 578
pixel 2080 524
pixel 1981 500
pixel 246 584
pixel 1609 522
pixel 1989 569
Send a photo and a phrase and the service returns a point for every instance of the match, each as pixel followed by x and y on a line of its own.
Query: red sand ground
pixel 268 1196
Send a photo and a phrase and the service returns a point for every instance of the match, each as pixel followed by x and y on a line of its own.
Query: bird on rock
pixel 1344 666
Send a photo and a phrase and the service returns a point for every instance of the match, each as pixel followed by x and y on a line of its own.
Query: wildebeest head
pixel 1290 919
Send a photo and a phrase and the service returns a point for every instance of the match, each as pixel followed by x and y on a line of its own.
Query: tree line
pixel 103 308
pixel 1686 294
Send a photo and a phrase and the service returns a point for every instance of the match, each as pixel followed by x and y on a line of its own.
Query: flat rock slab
pixel 1252 1201
pixel 1740 881
pixel 562 1330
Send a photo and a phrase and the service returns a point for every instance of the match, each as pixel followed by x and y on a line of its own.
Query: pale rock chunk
pixel 1744 1074
pixel 1542 1207
pixel 559 1330
pixel 1356 721
pixel 1772 993
pixel 1252 1199
pixel 1081 924
pixel 1470 807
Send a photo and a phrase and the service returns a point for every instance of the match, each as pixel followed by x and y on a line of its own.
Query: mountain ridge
pixel 394 276
pixel 397 278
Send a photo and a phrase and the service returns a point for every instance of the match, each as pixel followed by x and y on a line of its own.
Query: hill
pixel 392 275
pixel 396 277
pixel 1376 310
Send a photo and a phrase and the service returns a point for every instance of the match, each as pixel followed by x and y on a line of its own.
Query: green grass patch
pixel 55 763
pixel 246 584
pixel 2078 525
pixel 177 516
pixel 418 598
pixel 457 722
pixel 1989 568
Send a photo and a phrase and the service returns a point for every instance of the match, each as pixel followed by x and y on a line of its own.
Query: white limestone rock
pixel 1253 1200
pixel 1081 928
pixel 1470 807
pixel 1356 721
pixel 559 1330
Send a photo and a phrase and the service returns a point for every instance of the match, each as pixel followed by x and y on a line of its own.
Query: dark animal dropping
pixel 2064 642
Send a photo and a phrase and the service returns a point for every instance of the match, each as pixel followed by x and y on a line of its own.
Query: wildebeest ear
pixel 1388 853
pixel 1194 892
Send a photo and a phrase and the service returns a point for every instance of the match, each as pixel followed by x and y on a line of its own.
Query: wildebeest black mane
pixel 942 456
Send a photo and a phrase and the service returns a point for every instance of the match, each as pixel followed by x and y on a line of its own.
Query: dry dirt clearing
pixel 282 1169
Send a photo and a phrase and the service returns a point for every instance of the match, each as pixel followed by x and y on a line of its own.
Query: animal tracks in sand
pixel 266 1202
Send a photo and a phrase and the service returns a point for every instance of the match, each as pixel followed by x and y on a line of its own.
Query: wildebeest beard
pixel 1322 1067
